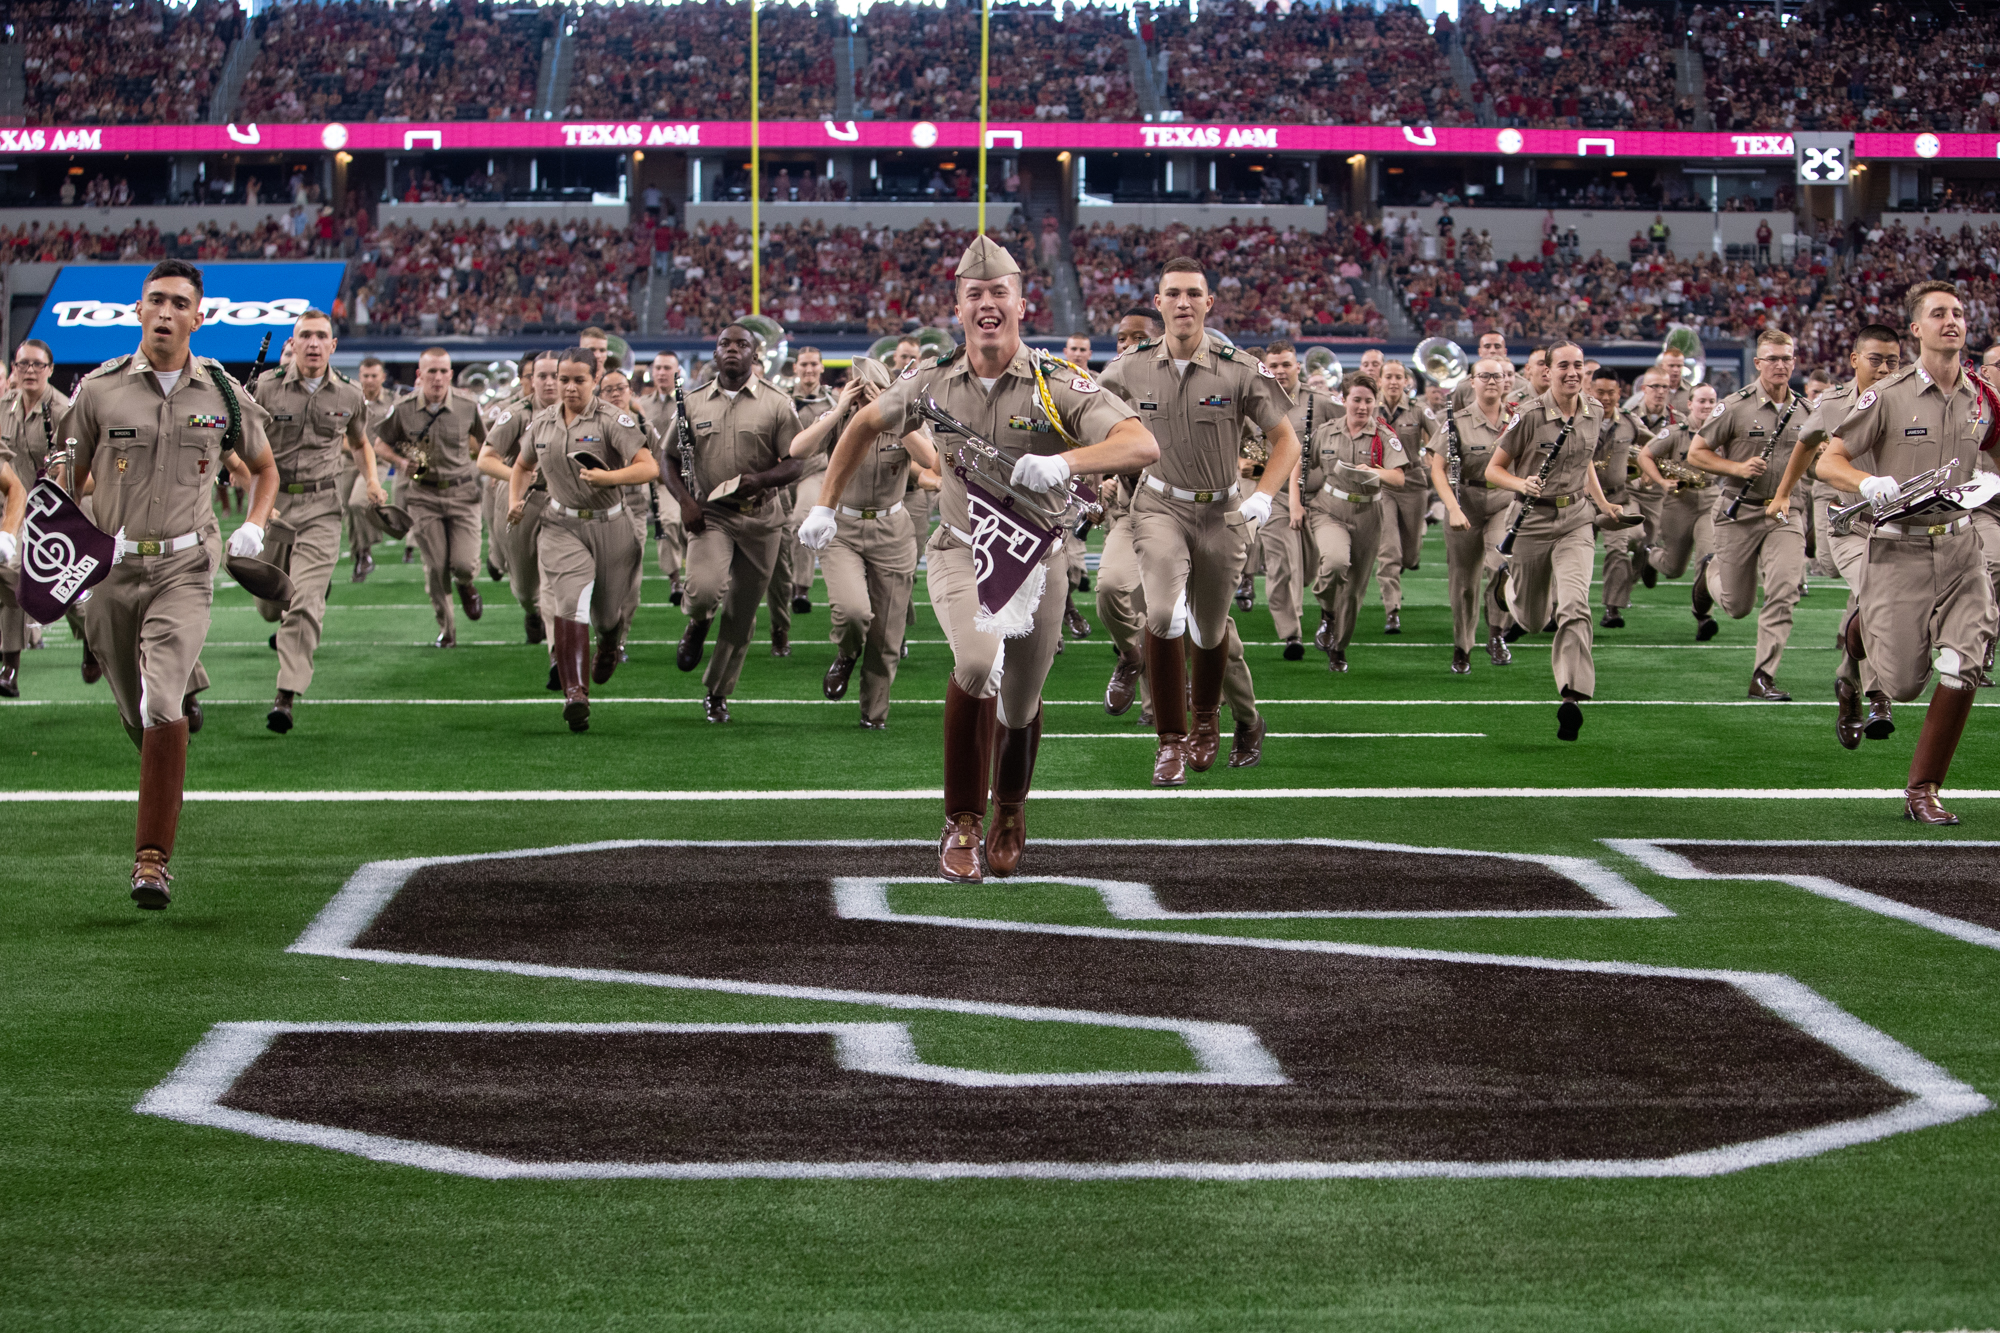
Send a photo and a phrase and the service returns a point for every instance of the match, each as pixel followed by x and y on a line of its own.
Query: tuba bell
pixel 1680 338
pixel 1442 361
pixel 1322 361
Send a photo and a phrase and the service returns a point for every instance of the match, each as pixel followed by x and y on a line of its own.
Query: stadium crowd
pixel 1613 70
pixel 419 61
pixel 923 64
pixel 690 61
pixel 1269 282
pixel 472 278
pixel 818 277
pixel 86 62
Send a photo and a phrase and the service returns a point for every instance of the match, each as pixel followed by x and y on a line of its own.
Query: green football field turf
pixel 114 1220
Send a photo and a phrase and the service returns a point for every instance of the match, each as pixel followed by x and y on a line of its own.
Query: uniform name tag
pixel 1216 400
pixel 1149 407
pixel 204 421
pixel 703 425
pixel 1917 430
pixel 281 416
pixel 1756 430
pixel 127 433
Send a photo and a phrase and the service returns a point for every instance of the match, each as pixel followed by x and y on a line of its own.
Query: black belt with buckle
pixel 1557 501
pixel 435 483
pixel 305 487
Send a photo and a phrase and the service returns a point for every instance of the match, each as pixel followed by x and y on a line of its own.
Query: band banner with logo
pixel 90 312
pixel 1005 547
pixel 63 556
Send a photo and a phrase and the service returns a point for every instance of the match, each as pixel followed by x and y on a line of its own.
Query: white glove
pixel 818 529
pixel 9 548
pixel 1041 472
pixel 1880 489
pixel 247 542
pixel 1257 509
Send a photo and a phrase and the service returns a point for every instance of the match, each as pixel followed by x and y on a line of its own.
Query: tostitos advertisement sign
pixel 90 313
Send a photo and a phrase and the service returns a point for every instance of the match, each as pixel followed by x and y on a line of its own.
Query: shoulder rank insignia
pixel 115 363
pixel 1216 400
pixel 1226 352
pixel 1149 344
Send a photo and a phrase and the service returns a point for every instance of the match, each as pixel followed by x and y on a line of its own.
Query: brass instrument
pixel 773 350
pixel 979 460
pixel 1916 492
pixel 1691 477
pixel 1443 361
pixel 1322 361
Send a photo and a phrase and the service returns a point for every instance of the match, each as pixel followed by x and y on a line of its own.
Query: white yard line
pixel 47 797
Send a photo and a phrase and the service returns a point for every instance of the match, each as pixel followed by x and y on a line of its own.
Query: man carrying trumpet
pixel 1044 417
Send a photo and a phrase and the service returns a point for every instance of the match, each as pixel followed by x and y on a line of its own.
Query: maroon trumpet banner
pixel 1006 546
pixel 65 554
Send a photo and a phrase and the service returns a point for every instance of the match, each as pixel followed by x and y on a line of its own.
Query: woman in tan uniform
pixel 1685 525
pixel 1337 492
pixel 585 450
pixel 871 563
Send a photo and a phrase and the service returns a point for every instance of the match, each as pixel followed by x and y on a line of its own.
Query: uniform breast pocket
pixel 1212 430
pixel 195 461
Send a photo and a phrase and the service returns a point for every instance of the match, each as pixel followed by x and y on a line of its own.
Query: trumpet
pixel 1923 487
pixel 980 460
pixel 1443 361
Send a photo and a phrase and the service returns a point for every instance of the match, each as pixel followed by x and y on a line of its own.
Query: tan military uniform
pixel 1012 417
pixel 1343 528
pixel 1283 548
pixel 730 560
pixel 1753 548
pixel 1619 443
pixel 154 458
pixel 1472 557
pixel 362 529
pixel 1549 570
pixel 585 545
pixel 1121 601
pixel 1685 530
pixel 1849 550
pixel 440 491
pixel 1926 587
pixel 308 437
pixel 672 541
pixel 1404 510
pixel 493 495
pixel 806 492
pixel 1185 521
pixel 1520 391
pixel 1986 525
pixel 24 447
pixel 870 565
pixel 505 435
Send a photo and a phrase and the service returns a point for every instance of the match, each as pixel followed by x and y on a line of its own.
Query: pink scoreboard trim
pixel 401 137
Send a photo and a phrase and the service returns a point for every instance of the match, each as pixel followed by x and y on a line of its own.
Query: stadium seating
pixel 91 63
pixel 477 279
pixel 691 62
pixel 1269 282
pixel 1614 71
pixel 1327 66
pixel 821 278
pixel 923 64
pixel 373 61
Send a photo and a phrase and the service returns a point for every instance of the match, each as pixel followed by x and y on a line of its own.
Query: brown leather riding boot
pixel 162 776
pixel 1013 771
pixel 968 750
pixel 1167 672
pixel 1944 723
pixel 1206 738
pixel 572 645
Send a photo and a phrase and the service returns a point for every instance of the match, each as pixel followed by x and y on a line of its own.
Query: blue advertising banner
pixel 89 313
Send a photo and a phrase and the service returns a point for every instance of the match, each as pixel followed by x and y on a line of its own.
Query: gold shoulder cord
pixel 1049 404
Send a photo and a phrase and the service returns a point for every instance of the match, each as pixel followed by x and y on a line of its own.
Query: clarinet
pixel 1541 479
pixel 257 369
pixel 48 437
pixel 1454 457
pixel 1770 448
pixel 684 440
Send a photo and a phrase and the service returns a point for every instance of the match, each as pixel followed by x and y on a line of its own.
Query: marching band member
pixel 1475 518
pixel 1343 469
pixel 1044 415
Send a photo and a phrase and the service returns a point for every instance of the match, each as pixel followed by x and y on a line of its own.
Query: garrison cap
pixel 986 259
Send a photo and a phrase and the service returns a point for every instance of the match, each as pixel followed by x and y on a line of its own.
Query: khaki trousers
pixel 362 529
pixel 673 536
pixel 1402 542
pixel 1849 555
pixel 1284 571
pixel 1986 526
pixel 729 571
pixel 1340 542
pixel 870 568
pixel 1190 549
pixel 779 594
pixel 147 621
pixel 1473 562
pixel 1750 551
pixel 807 493
pixel 304 541
pixel 586 570
pixel 919 505
pixel 987 666
pixel 1685 531
pixel 1922 594
pixel 1121 602
pixel 524 562
pixel 493 517
pixel 445 526
pixel 1549 573
pixel 1620 546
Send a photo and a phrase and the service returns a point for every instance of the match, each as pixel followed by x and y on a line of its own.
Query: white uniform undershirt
pixel 988 383
pixel 168 379
pixel 312 385
pixel 1180 366
pixel 730 394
